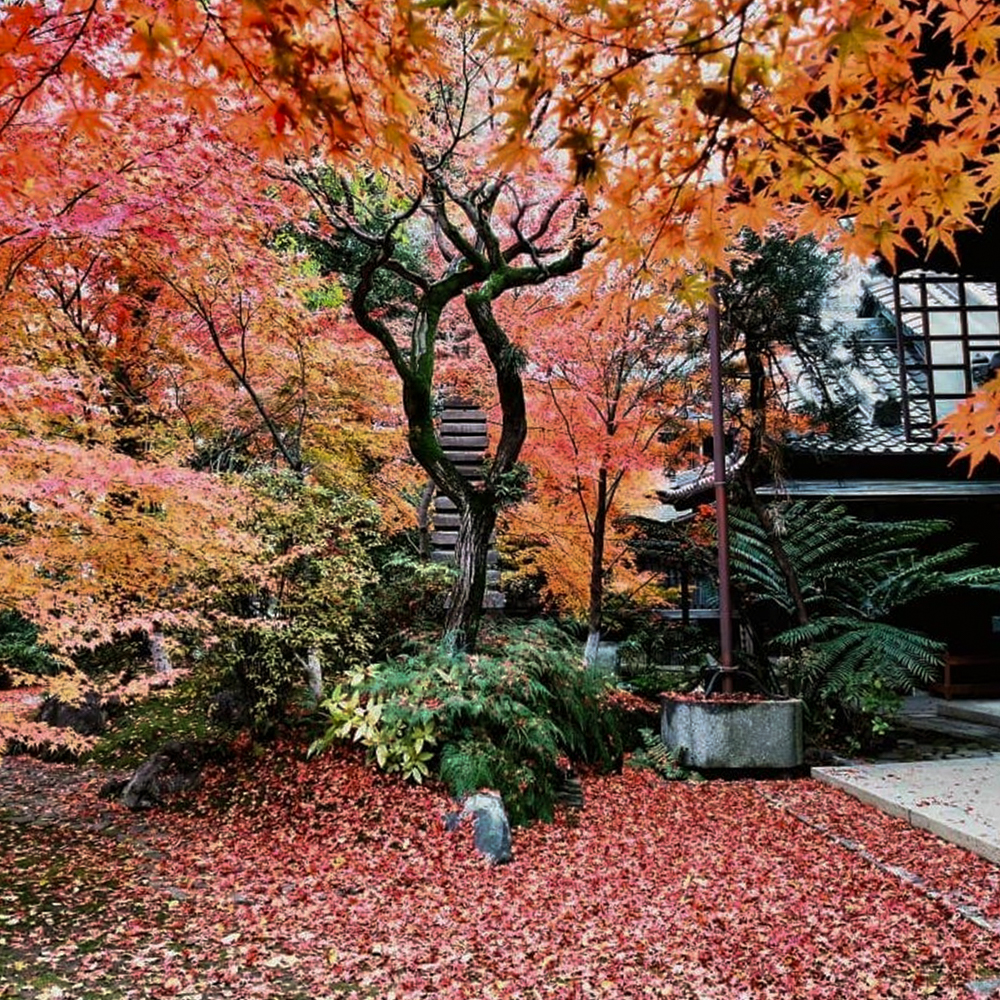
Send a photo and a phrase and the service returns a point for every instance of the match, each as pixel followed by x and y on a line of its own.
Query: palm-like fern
pixel 853 576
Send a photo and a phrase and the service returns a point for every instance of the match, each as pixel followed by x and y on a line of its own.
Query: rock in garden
pixel 173 768
pixel 229 708
pixel 569 792
pixel 490 825
pixel 87 718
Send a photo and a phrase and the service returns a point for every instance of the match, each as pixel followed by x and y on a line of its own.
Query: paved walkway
pixel 944 776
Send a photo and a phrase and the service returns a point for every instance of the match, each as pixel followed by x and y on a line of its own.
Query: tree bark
pixel 476 523
pixel 595 604
pixel 424 522
pixel 758 428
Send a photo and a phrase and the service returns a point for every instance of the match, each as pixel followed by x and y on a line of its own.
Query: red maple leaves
pixel 326 878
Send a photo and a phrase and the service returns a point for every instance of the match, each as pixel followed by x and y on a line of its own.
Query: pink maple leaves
pixel 327 878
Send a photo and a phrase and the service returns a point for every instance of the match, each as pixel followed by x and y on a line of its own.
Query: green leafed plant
pixel 849 659
pixel 309 598
pixel 655 754
pixel 501 719
pixel 20 649
pixel 354 714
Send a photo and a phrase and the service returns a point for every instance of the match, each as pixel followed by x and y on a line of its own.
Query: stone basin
pixel 716 733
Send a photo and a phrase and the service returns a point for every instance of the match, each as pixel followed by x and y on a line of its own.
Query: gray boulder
pixel 175 767
pixel 88 718
pixel 490 825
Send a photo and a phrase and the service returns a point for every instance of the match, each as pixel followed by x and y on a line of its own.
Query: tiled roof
pixel 684 486
pixel 870 376
pixel 863 370
pixel 866 364
pixel 941 289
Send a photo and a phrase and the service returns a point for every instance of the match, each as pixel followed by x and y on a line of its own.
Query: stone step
pixel 444 555
pixel 462 416
pixel 463 427
pixel 939 729
pixel 465 457
pixel 464 442
pixel 449 539
pixel 985 712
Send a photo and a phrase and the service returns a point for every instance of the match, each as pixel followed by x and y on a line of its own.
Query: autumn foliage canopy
pixel 154 323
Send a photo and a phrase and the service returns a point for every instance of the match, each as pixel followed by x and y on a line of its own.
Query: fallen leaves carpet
pixel 290 878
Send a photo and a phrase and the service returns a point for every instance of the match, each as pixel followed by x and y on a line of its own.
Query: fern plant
pixel 500 719
pixel 655 754
pixel 849 661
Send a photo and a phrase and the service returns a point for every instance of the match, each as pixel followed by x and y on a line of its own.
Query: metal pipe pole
pixel 719 474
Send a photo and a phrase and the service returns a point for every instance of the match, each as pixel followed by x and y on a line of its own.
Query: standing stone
pixel 314 673
pixel 160 653
pixel 490 826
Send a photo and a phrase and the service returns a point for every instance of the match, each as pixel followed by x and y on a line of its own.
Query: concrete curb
pixel 956 800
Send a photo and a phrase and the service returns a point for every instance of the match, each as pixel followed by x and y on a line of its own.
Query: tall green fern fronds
pixel 657 756
pixel 854 576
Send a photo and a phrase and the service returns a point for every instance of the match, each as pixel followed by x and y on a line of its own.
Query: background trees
pixel 603 381
pixel 146 149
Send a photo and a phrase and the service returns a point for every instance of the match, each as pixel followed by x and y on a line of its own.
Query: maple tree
pixel 693 120
pixel 116 399
pixel 604 381
pixel 154 333
pixel 490 239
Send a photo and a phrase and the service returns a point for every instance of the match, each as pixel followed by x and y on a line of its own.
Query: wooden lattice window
pixel 948 342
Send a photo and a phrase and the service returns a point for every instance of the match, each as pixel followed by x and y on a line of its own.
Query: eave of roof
pixel 662 513
pixel 882 489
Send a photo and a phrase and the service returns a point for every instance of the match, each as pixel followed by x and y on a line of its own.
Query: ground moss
pixel 179 713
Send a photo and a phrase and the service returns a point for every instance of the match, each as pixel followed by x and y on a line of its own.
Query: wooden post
pixel 721 513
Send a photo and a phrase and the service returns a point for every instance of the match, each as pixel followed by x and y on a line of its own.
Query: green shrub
pixel 126 654
pixel 311 595
pixel 501 718
pixel 356 714
pixel 410 597
pixel 20 649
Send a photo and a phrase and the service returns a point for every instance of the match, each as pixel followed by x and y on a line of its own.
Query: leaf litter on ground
pixel 284 877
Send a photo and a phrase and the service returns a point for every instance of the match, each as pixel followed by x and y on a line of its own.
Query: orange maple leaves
pixel 975 425
pixel 97 544
pixel 840 105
